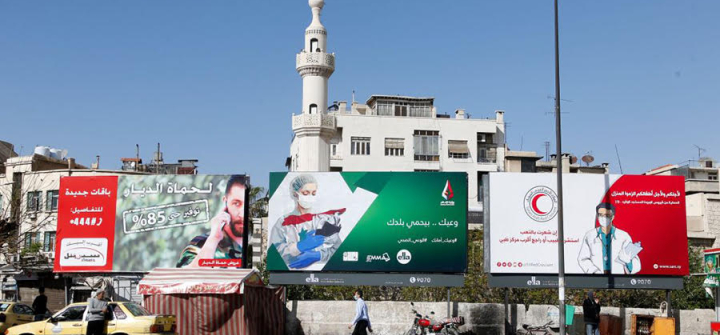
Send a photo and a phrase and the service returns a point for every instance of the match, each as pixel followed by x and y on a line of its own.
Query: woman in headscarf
pixel 301 237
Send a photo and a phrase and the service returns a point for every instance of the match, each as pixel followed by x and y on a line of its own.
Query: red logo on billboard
pixel 447 193
pixel 541 203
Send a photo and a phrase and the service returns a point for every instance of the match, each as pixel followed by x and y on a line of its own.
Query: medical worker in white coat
pixel 607 249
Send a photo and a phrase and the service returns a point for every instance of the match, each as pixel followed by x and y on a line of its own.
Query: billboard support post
pixel 717 304
pixel 668 313
pixel 558 159
pixel 507 310
pixel 448 311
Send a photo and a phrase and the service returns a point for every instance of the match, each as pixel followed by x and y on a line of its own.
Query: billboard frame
pixel 396 279
pixel 572 281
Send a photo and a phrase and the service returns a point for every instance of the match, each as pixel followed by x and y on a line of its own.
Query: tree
pixel 258 202
pixel 28 211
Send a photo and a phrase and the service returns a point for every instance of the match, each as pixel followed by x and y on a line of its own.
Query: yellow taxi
pixel 126 318
pixel 13 314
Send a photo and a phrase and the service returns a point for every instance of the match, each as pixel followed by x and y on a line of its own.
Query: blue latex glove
pixel 310 242
pixel 305 259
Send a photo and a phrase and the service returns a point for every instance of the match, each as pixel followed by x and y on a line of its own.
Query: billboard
pixel 614 224
pixel 368 222
pixel 139 222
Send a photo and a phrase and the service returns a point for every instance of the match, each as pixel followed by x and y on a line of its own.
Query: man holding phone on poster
pixel 225 239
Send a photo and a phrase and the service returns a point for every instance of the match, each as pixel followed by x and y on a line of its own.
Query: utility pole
pixel 558 143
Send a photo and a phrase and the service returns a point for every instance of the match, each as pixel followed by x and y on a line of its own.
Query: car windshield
pixel 4 307
pixel 136 310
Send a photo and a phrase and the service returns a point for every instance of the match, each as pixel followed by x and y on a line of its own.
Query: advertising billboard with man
pixel 614 224
pixel 140 222
pixel 368 222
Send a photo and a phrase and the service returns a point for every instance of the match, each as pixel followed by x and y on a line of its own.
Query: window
pixel 360 146
pixel 118 312
pixel 384 108
pixel 136 310
pixel 1 204
pixel 72 313
pixel 481 193
pixel 314 45
pixel 31 238
pixel 22 309
pixel 313 109
pixel 49 241
pixel 33 201
pixel 527 165
pixel 394 147
pixel 484 138
pixel 333 150
pixel 427 145
pixel 458 149
pixel 713 176
pixel 51 200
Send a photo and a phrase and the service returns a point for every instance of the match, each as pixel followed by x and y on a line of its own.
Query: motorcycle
pixel 428 325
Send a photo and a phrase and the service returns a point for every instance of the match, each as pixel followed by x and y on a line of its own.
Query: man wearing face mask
pixel 607 249
pixel 302 237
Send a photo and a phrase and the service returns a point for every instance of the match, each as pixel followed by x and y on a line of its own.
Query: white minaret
pixel 314 127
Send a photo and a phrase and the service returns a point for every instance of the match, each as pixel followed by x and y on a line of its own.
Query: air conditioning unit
pixel 32 215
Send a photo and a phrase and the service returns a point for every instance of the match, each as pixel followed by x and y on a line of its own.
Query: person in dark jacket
pixel 40 304
pixel 591 314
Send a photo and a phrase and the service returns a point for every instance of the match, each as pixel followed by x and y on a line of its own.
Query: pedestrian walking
pixel 591 314
pixel 362 319
pixel 97 309
pixel 40 304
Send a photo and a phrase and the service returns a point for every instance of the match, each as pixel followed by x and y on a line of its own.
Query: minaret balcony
pixel 321 121
pixel 315 63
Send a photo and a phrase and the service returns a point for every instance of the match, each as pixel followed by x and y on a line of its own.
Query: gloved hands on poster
pixel 630 251
pixel 311 241
pixel 322 220
pixel 305 259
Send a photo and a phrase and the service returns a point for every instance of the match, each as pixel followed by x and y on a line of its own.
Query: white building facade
pixel 387 133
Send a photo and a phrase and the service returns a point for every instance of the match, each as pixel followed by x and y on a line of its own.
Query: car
pixel 13 314
pixel 125 318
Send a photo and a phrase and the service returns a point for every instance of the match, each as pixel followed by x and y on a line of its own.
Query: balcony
pixel 486 154
pixel 308 121
pixel 701 186
pixel 315 63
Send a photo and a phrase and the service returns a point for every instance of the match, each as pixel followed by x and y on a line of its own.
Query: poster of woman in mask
pixel 307 236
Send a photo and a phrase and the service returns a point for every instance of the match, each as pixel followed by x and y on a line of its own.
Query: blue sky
pixel 215 80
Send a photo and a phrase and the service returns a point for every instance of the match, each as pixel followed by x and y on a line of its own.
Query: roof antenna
pixel 353 96
pixel 618 157
pixel 700 151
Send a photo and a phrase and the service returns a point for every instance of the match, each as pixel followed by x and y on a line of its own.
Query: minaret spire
pixel 314 127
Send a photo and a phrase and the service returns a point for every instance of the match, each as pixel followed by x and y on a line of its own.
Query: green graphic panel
pixel 415 222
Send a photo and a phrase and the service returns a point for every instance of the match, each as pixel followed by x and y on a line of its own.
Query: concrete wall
pixel 389 317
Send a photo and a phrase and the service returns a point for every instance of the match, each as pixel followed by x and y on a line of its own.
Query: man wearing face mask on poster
pixel 302 237
pixel 225 239
pixel 608 249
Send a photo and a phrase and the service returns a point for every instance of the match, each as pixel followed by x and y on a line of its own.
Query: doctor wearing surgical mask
pixel 303 237
pixel 607 249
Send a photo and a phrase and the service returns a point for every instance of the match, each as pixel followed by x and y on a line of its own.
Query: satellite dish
pixel 588 159
pixel 573 159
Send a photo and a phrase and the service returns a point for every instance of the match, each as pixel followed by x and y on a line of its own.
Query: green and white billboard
pixel 368 222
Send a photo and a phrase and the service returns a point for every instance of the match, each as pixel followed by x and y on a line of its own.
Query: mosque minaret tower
pixel 313 127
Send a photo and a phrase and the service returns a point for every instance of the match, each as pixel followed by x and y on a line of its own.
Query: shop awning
pixel 458 147
pixel 197 281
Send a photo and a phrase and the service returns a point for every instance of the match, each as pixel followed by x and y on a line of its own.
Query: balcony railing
pixel 313 120
pixel 315 59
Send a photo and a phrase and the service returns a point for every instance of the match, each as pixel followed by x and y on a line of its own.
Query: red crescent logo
pixel 534 204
